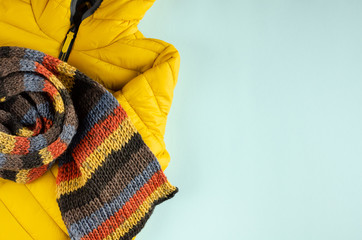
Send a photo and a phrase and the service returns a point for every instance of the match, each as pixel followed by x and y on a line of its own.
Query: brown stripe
pixel 14 85
pixel 12 163
pixel 9 65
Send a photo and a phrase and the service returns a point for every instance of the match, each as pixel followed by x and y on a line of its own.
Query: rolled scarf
pixel 108 181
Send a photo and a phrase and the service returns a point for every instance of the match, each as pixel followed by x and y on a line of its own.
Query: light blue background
pixel 265 130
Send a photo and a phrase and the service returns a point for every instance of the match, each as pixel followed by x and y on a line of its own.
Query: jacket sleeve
pixel 147 99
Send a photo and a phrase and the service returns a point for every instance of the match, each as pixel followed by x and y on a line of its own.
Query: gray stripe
pixel 37 143
pixel 33 82
pixel 2 159
pixel 33 55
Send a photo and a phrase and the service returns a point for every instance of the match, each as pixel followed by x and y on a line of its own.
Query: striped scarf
pixel 108 180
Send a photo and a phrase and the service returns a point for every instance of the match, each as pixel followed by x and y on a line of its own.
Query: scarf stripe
pixel 127 165
pixel 119 202
pixel 73 183
pixel 106 193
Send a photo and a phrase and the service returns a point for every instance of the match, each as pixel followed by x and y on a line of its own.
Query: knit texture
pixel 108 180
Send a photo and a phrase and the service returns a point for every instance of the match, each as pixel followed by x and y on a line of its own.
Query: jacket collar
pixel 104 23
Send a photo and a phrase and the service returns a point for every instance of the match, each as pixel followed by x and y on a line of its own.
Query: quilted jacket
pixel 105 44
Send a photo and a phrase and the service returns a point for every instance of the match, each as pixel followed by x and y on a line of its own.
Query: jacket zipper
pixel 73 30
pixel 68 43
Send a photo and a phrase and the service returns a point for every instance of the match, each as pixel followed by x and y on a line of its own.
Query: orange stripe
pixel 97 135
pixel 50 89
pixel 128 209
pixel 47 124
pixel 57 148
pixel 39 68
pixel 21 146
pixel 36 172
pixel 51 63
pixel 67 172
pixel 37 127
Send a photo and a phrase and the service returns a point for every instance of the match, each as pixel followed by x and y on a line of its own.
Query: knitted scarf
pixel 108 180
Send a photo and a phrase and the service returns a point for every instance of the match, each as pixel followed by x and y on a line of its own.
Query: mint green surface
pixel 265 130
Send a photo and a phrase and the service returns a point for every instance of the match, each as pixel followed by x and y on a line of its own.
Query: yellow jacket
pixel 140 72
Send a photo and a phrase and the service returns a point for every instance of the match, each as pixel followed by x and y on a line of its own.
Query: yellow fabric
pixel 140 72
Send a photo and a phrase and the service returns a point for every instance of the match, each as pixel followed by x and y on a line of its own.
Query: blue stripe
pixel 34 55
pixel 67 134
pixel 33 82
pixel 38 142
pixel 109 209
pixel 2 159
pixel 30 117
pixel 27 65
pixel 32 114
pixel 44 110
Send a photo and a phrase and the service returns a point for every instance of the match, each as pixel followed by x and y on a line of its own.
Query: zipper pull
pixel 67 44
pixel 76 20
